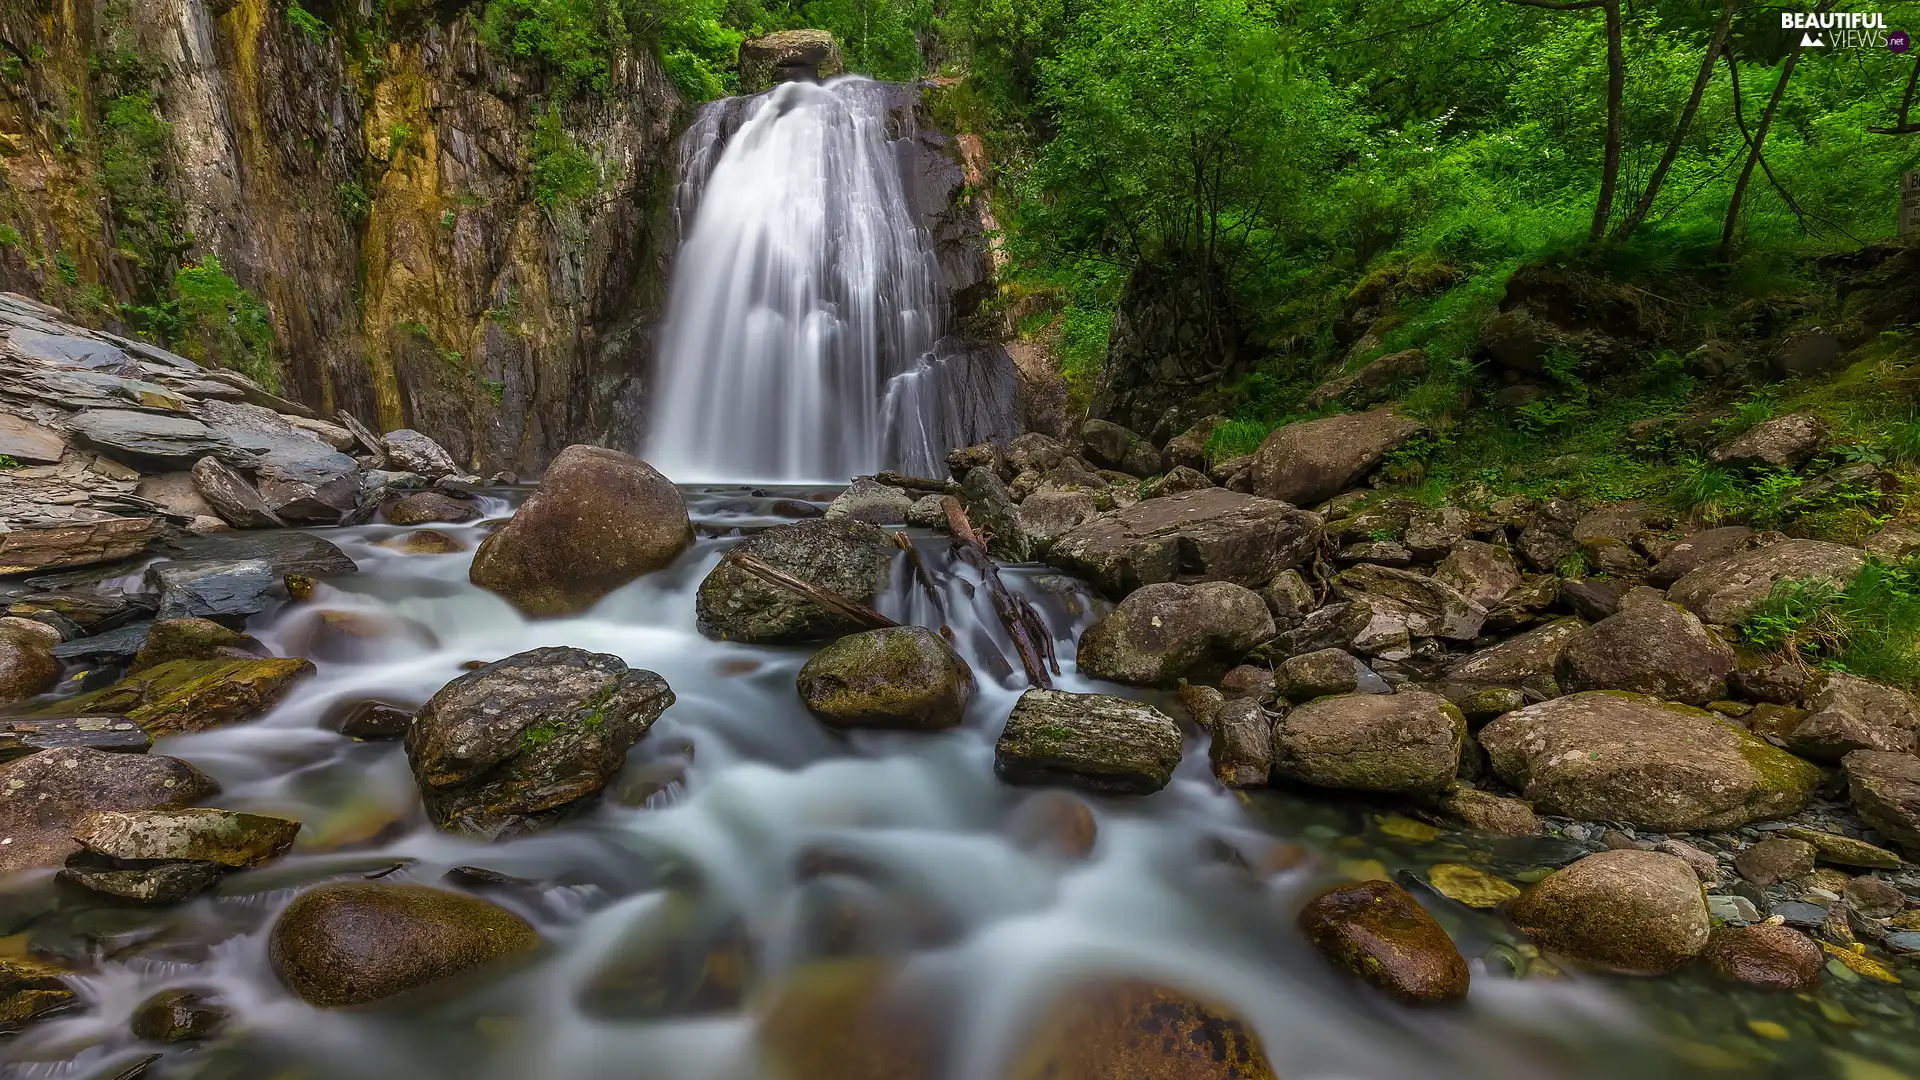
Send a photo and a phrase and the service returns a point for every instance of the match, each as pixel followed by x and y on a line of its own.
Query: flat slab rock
pixel 1207 535
pixel 1728 590
pixel 1092 741
pixel 81 544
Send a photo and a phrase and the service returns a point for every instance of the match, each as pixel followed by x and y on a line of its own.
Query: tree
pixel 1616 92
pixel 1715 43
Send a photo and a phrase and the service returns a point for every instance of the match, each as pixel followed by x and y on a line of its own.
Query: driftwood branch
pixel 1022 623
pixel 851 609
pixel 913 483
pixel 920 574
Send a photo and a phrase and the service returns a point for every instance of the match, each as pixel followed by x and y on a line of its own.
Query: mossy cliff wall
pixel 439 238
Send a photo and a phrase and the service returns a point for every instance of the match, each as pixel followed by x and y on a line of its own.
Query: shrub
pixel 1871 628
pixel 216 321
pixel 306 21
pixel 563 171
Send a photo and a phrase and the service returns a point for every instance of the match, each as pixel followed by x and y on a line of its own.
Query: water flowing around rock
pixel 805 325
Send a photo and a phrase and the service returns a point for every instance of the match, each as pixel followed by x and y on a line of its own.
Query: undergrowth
pixel 1871 628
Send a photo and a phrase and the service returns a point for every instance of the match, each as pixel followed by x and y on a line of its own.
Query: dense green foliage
pixel 212 319
pixel 563 172
pixel 1870 628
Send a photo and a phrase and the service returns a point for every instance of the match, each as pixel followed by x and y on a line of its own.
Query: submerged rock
pixel 1489 812
pixel 904 677
pixel 1054 823
pixel 1406 743
pixel 43 796
pixel 1093 741
pixel 1208 535
pixel 514 746
pixel 1127 1028
pixel 30 990
pixel 1164 631
pixel 600 519
pixel 359 941
pixel 1765 957
pixel 1634 911
pixel 178 1015
pixel 850 559
pixel 1376 930
pixel 1615 756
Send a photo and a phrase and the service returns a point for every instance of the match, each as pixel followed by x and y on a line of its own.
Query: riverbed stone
pixel 1241 750
pixel 1873 898
pixel 1378 931
pixel 30 990
pixel 1208 535
pixel 1426 605
pixel 27 665
pixel 1886 792
pixel 44 795
pixel 179 1015
pixel 1848 713
pixel 1632 911
pixel 1093 741
pixel 1649 647
pixel 20 736
pixel 425 507
pixel 1766 957
pixel 195 834
pixel 1054 823
pixel 1837 850
pixel 192 639
pixel 357 941
pixel 1774 860
pixel 1311 461
pixel 1116 1028
pixel 1321 673
pixel 519 744
pixel 1728 590
pixel 408 450
pixel 1488 812
pixel 600 519
pixel 148 883
pixel 848 558
pixel 872 502
pixel 1403 743
pixel 1109 446
pixel 1523 660
pixel 1045 516
pixel 1164 631
pixel 181 697
pixel 229 592
pixel 1481 572
pixel 1616 756
pixel 903 677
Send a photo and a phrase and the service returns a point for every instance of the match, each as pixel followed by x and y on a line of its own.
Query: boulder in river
pixel 1207 535
pixel 178 1015
pixel 228 592
pixel 517 745
pixel 1403 743
pixel 1615 756
pixel 1311 461
pixel 425 507
pixel 1378 931
pixel 27 665
pixel 408 450
pixel 897 677
pixel 1641 912
pixel 181 697
pixel 195 834
pixel 600 519
pixel 142 883
pixel 1124 1028
pixel 44 795
pixel 1649 647
pixel 30 990
pixel 1164 631
pixel 1241 750
pixel 848 558
pixel 192 639
pixel 357 941
pixel 1765 957
pixel 1092 741
pixel 1728 590
pixel 872 502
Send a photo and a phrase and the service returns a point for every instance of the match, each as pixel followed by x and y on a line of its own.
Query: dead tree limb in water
pixel 921 575
pixel 1022 623
pixel 832 601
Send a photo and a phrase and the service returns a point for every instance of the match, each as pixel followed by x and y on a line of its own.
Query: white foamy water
pixel 948 896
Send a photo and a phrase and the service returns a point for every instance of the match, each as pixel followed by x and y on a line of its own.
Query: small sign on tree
pixel 1910 207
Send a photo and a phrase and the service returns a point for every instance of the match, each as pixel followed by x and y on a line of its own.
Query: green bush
pixel 213 320
pixel 306 22
pixel 563 172
pixel 1871 628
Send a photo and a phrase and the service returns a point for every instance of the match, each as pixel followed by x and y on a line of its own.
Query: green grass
pixel 1871 628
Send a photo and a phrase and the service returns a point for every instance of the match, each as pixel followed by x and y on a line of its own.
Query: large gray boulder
pixel 1698 550
pixel 408 450
pixel 1728 590
pixel 300 478
pixel 1784 442
pixel 1634 911
pixel 1615 756
pixel 146 439
pixel 1165 631
pixel 1483 573
pixel 44 796
pixel 517 745
pixel 600 519
pixel 1406 743
pixel 1047 515
pixel 1525 659
pixel 1109 446
pixel 27 664
pixel 1311 461
pixel 1428 606
pixel 845 557
pixel 232 495
pixel 904 677
pixel 788 56
pixel 1848 713
pixel 1092 741
pixel 870 501
pixel 1650 647
pixel 1208 535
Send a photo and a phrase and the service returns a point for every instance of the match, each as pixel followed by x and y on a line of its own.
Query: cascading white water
pixel 806 302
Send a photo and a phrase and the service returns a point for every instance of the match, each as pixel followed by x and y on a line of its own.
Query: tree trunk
pixel 1714 44
pixel 1753 154
pixel 1616 91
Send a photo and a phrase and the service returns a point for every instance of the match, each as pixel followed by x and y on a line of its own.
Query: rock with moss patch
pixel 223 837
pixel 1848 713
pixel 1093 741
pixel 1728 590
pixel 1376 930
pixel 1528 660
pixel 1633 911
pixel 27 666
pixel 1649 647
pixel 521 743
pixel 1783 442
pixel 44 795
pixel 904 677
pixel 1165 631
pixel 788 56
pixel 1403 743
pixel 181 697
pixel 600 519
pixel 848 558
pixel 1488 812
pixel 193 639
pixel 30 990
pixel 1616 756
pixel 1208 535
pixel 1310 461
pixel 358 941
pixel 1241 750
pixel 179 1015
pixel 1886 792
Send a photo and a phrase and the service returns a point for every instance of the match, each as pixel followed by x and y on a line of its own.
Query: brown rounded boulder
pixel 1376 930
pixel 904 677
pixel 1633 911
pixel 600 519
pixel 1767 957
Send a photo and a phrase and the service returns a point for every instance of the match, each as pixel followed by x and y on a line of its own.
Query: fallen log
pixel 920 574
pixel 1022 623
pixel 832 601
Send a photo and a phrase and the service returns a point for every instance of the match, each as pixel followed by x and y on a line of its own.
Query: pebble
pixel 1906 941
pixel 1801 914
pixel 1733 909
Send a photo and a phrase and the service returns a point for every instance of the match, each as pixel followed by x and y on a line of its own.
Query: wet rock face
pixel 354 942
pixel 1765 957
pixel 1093 741
pixel 192 639
pixel 515 746
pixel 178 1015
pixel 1126 1028
pixel 1208 535
pixel 1626 910
pixel 30 990
pixel 904 677
pixel 1165 631
pixel 1616 756
pixel 27 665
pixel 423 507
pixel 222 837
pixel 1311 461
pixel 1376 930
pixel 600 519
pixel 1727 590
pixel 848 558
pixel 1649 647
pixel 1406 743
pixel 44 795
pixel 185 696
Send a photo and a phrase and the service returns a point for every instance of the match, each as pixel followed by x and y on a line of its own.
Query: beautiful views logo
pixel 1844 30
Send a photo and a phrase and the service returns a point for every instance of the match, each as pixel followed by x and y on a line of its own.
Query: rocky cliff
pixel 436 237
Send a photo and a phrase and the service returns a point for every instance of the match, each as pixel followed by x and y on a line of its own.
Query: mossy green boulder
pixel 192 639
pixel 358 941
pixel 1405 743
pixel 847 558
pixel 1092 741
pixel 29 991
pixel 1378 931
pixel 904 677
pixel 181 697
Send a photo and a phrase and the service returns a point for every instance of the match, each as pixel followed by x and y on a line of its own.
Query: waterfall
pixel 805 317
